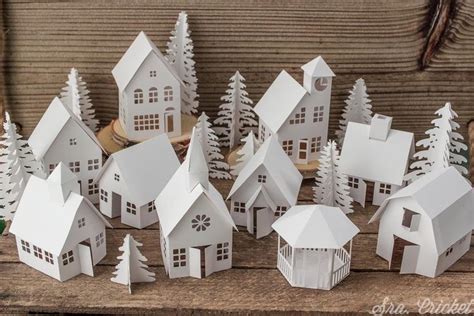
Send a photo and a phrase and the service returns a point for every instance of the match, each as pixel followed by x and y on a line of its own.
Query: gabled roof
pixel 260 191
pixel 52 122
pixel 145 168
pixel 318 68
pixel 376 160
pixel 279 101
pixel 279 166
pixel 134 57
pixel 315 226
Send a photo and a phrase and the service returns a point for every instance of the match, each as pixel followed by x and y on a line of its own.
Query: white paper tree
pixel 236 114
pixel 358 109
pixel 332 187
pixel 210 146
pixel 131 268
pixel 180 56
pixel 247 151
pixel 75 95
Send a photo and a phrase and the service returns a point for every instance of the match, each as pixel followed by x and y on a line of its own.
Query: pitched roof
pixel 315 226
pixel 279 101
pixel 318 68
pixel 263 192
pixel 367 158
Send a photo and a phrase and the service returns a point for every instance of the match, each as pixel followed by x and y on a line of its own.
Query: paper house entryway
pixel 132 178
pixel 58 231
pixel 265 189
pixel 195 224
pixel 312 242
pixel 61 137
pixel 298 114
pixel 426 227
pixel 375 154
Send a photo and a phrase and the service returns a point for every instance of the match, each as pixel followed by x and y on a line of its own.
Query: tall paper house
pixel 375 157
pixel 298 115
pixel 149 92
pixel 61 137
pixel 58 231
pixel 426 226
pixel 265 189
pixel 195 224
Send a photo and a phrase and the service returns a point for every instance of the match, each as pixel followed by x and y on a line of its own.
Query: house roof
pixel 367 158
pixel 315 226
pixel 318 68
pixel 145 168
pixel 50 126
pixel 261 191
pixel 134 57
pixel 279 101
pixel 279 166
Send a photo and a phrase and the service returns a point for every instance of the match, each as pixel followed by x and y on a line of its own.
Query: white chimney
pixel 380 127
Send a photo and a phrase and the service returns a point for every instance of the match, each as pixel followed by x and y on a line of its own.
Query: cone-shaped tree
pixel 247 151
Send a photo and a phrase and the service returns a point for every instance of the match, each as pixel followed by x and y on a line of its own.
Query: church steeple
pixel 198 172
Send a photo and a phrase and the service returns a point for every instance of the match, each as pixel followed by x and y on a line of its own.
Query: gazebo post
pixel 350 249
pixel 332 268
pixel 292 263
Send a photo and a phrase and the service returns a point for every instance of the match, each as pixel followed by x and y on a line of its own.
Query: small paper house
pixel 132 178
pixel 58 231
pixel 265 189
pixel 375 154
pixel 195 224
pixel 426 227
pixel 149 92
pixel 61 137
pixel 298 114
pixel 311 240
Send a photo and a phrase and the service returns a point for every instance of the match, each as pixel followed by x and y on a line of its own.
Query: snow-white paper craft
pixel 311 246
pixel 441 148
pixel 375 153
pixel 58 231
pixel 250 147
pixel 426 226
pixel 149 92
pixel 236 114
pixel 266 187
pixel 332 188
pixel 210 146
pixel 298 115
pixel 195 224
pixel 358 109
pixel 180 55
pixel 132 178
pixel 131 268
pixel 61 137
pixel 75 95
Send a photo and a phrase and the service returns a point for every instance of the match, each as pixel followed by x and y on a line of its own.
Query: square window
pixel 72 141
pixel 99 239
pixel 152 73
pixel 280 210
pixel 25 246
pixel 353 182
pixel 52 166
pixel 151 206
pixel 81 222
pixel 48 257
pixel 67 257
pixel 168 94
pixel 287 146
pixel 131 208
pixel 179 257
pixel 93 164
pixel 239 207
pixel 385 188
pixel 410 219
pixel 104 195
pixel 261 178
pixel 38 252
pixel 222 251
pixel 116 177
pixel 75 166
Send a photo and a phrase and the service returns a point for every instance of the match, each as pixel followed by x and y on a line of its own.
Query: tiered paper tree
pixel 247 151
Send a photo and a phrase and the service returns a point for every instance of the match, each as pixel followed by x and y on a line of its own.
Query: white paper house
pixel 311 246
pixel 132 178
pixel 265 189
pixel 195 224
pixel 149 92
pixel 298 114
pixel 375 153
pixel 58 231
pixel 426 227
pixel 61 137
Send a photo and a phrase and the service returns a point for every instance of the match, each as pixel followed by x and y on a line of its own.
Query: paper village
pixel 65 178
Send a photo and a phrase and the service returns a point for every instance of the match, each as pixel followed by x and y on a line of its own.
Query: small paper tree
pixel 180 56
pixel 131 268
pixel 332 187
pixel 247 151
pixel 357 109
pixel 210 146
pixel 236 114
pixel 75 95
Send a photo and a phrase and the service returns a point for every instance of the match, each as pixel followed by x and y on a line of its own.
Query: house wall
pixel 39 264
pixel 108 184
pixel 453 254
pixel 71 269
pixel 379 196
pixel 165 253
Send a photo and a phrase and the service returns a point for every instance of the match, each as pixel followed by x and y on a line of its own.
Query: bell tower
pixel 317 76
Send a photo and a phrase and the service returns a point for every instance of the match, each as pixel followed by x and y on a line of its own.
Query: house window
pixel 222 251
pixel 93 187
pixel 52 166
pixel 201 222
pixel 72 141
pixel 104 195
pixel 321 84
pixel 318 114
pixel 261 178
pixel 353 182
pixel 385 188
pixel 448 252
pixel 179 257
pixel 153 95
pixel 25 246
pixel 410 219
pixel 99 239
pixel 81 222
pixel 116 177
pixel 48 257
pixel 147 122
pixel 92 164
pixel 280 210
pixel 152 73
pixel 68 258
pixel 316 144
pixel 75 166
pixel 131 208
pixel 239 207
pixel 151 206
pixel 287 146
pixel 168 93
pixel 37 252
pixel 299 117
pixel 138 96
pixel 262 133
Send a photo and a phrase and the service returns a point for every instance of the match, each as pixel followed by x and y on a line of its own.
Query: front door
pixel 197 262
pixel 169 122
pixel 116 204
pixel 80 186
pixel 85 258
pixel 303 151
pixel 255 220
pixel 410 257
pixel 400 246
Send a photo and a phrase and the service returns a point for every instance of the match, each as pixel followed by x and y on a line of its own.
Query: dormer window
pixel 138 96
pixel 152 73
pixel 321 84
pixel 411 220
pixel 153 95
pixel 299 117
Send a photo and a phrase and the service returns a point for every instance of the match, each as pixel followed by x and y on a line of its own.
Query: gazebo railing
pixel 283 262
pixel 343 271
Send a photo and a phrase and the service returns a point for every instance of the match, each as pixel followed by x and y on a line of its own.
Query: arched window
pixel 168 93
pixel 138 96
pixel 153 95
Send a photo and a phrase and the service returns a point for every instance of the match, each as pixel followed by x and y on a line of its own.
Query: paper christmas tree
pixel 180 56
pixel 236 114
pixel 131 268
pixel 247 151
pixel 332 187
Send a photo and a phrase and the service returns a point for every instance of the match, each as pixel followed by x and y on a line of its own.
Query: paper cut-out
pixel 131 268
pixel 58 231
pixel 195 224
pixel 250 147
pixel 426 227
pixel 266 187
pixel 311 246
